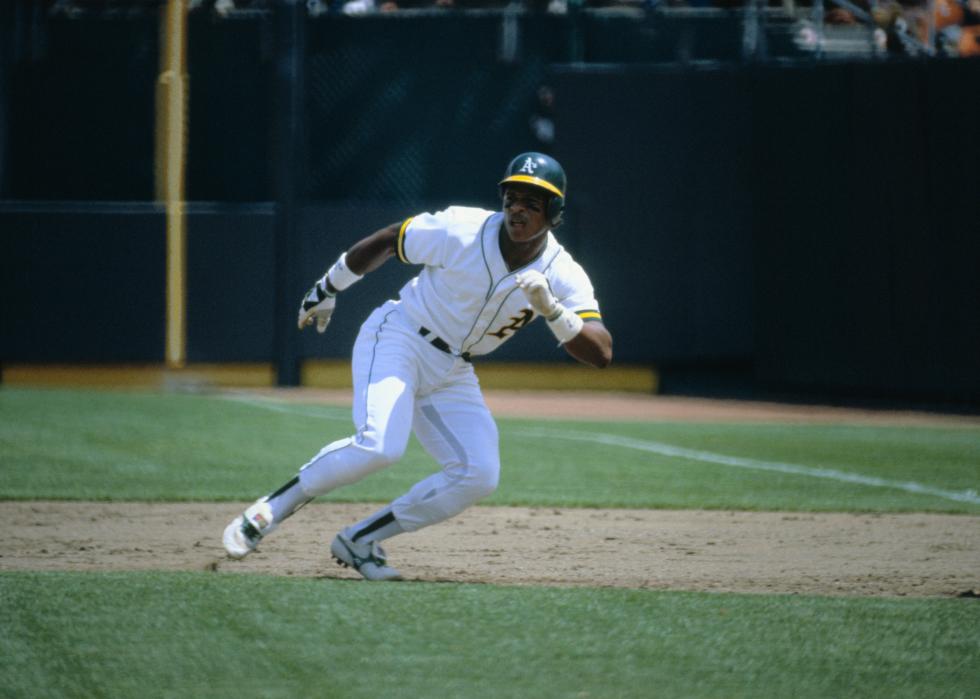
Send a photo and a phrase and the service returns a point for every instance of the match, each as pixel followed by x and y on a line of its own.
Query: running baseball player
pixel 485 275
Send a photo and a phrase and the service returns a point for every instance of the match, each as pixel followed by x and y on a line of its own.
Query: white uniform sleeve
pixel 430 239
pixel 422 239
pixel 573 289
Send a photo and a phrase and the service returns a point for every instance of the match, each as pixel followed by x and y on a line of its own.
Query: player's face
pixel 525 215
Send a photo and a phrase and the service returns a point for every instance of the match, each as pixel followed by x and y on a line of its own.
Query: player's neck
pixel 519 254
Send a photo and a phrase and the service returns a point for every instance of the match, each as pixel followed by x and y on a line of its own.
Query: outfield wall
pixel 818 220
pixel 810 225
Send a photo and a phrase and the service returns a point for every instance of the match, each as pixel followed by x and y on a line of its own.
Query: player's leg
pixel 456 428
pixel 384 387
pixel 454 425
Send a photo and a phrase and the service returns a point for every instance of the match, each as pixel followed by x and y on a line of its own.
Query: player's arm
pixel 588 342
pixel 592 345
pixel 364 256
pixel 368 254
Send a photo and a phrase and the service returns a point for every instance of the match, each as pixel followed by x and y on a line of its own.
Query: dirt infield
pixel 772 552
pixel 828 554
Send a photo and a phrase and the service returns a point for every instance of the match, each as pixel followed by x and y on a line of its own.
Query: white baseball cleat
pixel 243 535
pixel 368 559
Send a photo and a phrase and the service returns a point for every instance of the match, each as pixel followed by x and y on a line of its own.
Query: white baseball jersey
pixel 469 302
pixel 465 294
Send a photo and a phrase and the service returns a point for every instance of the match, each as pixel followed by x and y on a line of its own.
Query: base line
pixel 661 448
pixel 318 412
pixel 968 496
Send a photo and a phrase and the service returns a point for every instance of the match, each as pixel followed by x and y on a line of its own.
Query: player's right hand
pixel 535 286
pixel 318 305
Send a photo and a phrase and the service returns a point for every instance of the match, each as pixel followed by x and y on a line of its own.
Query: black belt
pixel 440 344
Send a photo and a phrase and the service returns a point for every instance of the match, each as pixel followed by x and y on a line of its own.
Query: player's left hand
pixel 535 287
pixel 318 305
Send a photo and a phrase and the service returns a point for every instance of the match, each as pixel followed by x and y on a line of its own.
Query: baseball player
pixel 485 275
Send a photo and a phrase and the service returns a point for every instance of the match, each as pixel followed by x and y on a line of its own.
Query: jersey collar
pixel 490 240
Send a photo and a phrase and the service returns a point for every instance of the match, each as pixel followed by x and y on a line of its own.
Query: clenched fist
pixel 535 287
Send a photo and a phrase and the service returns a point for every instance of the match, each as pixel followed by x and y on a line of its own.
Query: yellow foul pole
pixel 171 153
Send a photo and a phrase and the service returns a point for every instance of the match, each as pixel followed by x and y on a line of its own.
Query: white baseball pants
pixel 404 384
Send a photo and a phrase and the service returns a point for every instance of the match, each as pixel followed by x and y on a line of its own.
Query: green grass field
pixel 198 634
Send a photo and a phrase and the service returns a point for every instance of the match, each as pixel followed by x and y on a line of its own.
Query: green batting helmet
pixel 543 171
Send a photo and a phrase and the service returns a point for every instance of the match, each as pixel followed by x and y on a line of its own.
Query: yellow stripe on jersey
pixel 589 315
pixel 400 248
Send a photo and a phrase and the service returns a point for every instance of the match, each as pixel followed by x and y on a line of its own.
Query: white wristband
pixel 340 276
pixel 565 325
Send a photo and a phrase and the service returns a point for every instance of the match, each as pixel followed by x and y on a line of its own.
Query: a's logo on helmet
pixel 529 166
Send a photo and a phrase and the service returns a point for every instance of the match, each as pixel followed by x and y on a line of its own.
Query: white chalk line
pixel 661 448
pixel 968 496
pixel 313 411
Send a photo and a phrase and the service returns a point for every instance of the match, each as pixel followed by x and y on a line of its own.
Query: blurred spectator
pixel 542 121
pixel 958 27
pixel 363 7
pixel 955 30
pixel 366 6
pixel 223 8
